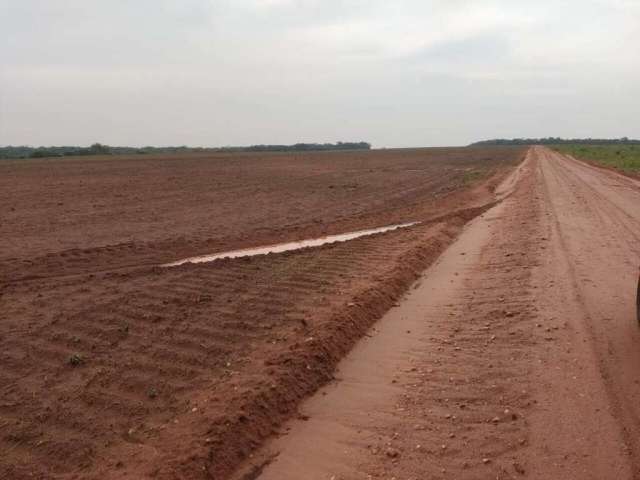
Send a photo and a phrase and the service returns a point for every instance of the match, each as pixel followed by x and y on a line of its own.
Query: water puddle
pixel 285 247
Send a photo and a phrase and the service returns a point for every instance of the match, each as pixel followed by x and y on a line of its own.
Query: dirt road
pixel 517 355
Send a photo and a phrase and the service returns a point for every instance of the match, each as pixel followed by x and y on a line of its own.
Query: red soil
pixel 115 368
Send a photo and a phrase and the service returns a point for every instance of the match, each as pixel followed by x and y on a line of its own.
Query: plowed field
pixel 114 367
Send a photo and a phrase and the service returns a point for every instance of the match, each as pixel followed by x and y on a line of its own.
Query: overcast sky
pixel 237 72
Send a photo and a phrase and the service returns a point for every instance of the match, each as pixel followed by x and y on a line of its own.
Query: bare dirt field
pixel 85 214
pixel 114 367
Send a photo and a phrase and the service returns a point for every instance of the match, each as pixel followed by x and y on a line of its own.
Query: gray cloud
pixel 218 72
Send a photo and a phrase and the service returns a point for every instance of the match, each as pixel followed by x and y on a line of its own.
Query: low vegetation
pixel 471 175
pixel 625 157
pixel 558 141
pixel 99 149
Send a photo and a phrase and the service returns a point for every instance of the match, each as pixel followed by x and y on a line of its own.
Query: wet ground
pixel 290 246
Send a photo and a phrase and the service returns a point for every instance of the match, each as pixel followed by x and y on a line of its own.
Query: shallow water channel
pixel 285 247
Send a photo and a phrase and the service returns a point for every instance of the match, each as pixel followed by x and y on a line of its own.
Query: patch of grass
pixel 75 360
pixel 622 157
pixel 471 175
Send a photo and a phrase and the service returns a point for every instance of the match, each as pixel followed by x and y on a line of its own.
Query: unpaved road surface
pixel 517 355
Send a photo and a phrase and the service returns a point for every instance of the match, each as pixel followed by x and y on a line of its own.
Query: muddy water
pixel 285 247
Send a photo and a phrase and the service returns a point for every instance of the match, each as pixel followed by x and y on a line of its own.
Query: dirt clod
pixel 392 453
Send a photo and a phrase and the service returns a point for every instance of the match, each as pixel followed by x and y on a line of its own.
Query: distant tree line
pixel 557 141
pixel 40 152
pixel 301 147
pixel 99 149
